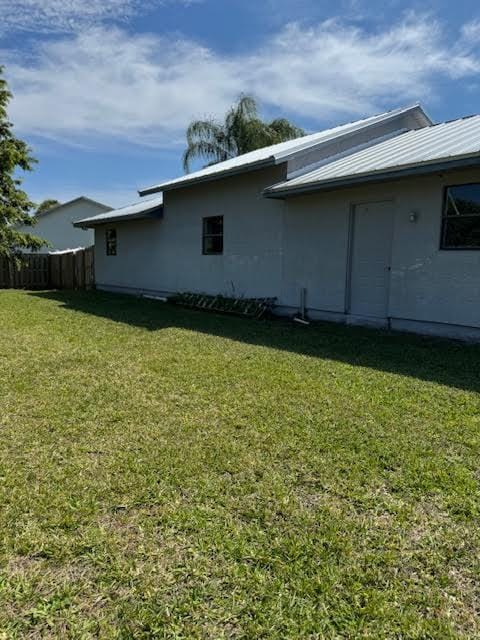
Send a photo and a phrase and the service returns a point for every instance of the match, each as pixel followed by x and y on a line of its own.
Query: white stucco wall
pixel 56 226
pixel 426 283
pixel 166 255
pixel 275 248
pixel 315 252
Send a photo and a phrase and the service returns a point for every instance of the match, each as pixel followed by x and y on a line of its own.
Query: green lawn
pixel 172 474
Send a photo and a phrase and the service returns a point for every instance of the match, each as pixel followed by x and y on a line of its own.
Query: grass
pixel 166 473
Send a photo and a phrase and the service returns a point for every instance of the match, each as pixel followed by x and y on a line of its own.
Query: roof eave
pixel 153 214
pixel 379 176
pixel 252 166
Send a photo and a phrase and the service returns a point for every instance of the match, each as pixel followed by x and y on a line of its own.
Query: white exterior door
pixel 371 246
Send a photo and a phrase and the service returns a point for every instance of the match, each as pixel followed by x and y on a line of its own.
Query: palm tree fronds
pixel 285 130
pixel 203 130
pixel 242 131
pixel 205 150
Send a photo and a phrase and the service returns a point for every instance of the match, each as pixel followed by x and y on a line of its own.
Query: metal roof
pixel 281 152
pixel 420 151
pixel 146 209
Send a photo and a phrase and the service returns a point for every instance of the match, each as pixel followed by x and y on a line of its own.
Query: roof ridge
pixel 64 204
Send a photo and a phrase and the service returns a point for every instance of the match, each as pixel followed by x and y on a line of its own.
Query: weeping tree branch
pixel 242 131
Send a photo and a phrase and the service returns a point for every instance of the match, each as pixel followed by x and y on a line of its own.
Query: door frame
pixel 350 248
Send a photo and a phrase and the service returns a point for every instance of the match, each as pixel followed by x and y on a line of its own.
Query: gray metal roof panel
pixel 283 151
pixel 442 142
pixel 138 210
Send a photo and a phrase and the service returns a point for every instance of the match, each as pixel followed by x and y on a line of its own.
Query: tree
pixel 242 131
pixel 46 205
pixel 15 205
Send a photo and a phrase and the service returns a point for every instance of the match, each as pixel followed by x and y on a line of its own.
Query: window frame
pixel 108 240
pixel 205 235
pixel 444 218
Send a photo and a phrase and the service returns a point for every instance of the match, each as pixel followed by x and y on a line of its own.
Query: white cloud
pixel 335 68
pixel 52 16
pixel 471 31
pixel 108 84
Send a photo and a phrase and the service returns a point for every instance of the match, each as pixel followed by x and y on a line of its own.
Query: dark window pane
pixel 213 244
pixel 213 225
pixel 213 235
pixel 463 200
pixel 462 232
pixel 111 242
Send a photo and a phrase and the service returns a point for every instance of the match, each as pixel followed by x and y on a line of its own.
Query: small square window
pixel 111 242
pixel 461 217
pixel 212 241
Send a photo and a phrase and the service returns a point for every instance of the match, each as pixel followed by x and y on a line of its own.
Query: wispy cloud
pixel 471 31
pixel 52 16
pixel 106 83
pixel 338 68
pixel 102 84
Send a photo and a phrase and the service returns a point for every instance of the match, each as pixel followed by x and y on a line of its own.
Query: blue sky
pixel 103 89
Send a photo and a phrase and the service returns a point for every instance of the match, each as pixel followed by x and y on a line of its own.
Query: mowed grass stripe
pixel 167 473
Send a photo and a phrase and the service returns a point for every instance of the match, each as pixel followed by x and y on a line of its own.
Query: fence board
pixel 72 270
pixel 89 268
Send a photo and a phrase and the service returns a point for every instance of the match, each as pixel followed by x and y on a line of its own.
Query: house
pixel 56 224
pixel 377 222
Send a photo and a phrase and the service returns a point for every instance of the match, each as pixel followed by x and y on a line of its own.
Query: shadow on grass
pixel 445 362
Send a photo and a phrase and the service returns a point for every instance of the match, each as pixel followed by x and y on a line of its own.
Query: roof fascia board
pixel 252 166
pixel 153 214
pixel 380 176
pixel 423 116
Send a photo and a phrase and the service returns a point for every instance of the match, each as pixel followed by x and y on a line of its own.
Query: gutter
pixel 366 178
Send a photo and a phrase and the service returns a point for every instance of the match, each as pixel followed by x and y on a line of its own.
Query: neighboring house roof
pixel 75 200
pixel 275 154
pixel 421 151
pixel 152 208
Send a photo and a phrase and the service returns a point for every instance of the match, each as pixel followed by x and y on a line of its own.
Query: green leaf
pixel 241 131
pixel 15 205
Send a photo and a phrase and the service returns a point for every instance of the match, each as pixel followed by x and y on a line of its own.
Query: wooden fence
pixel 72 270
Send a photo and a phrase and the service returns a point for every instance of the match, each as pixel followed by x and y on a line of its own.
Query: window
pixel 213 235
pixel 111 242
pixel 461 217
